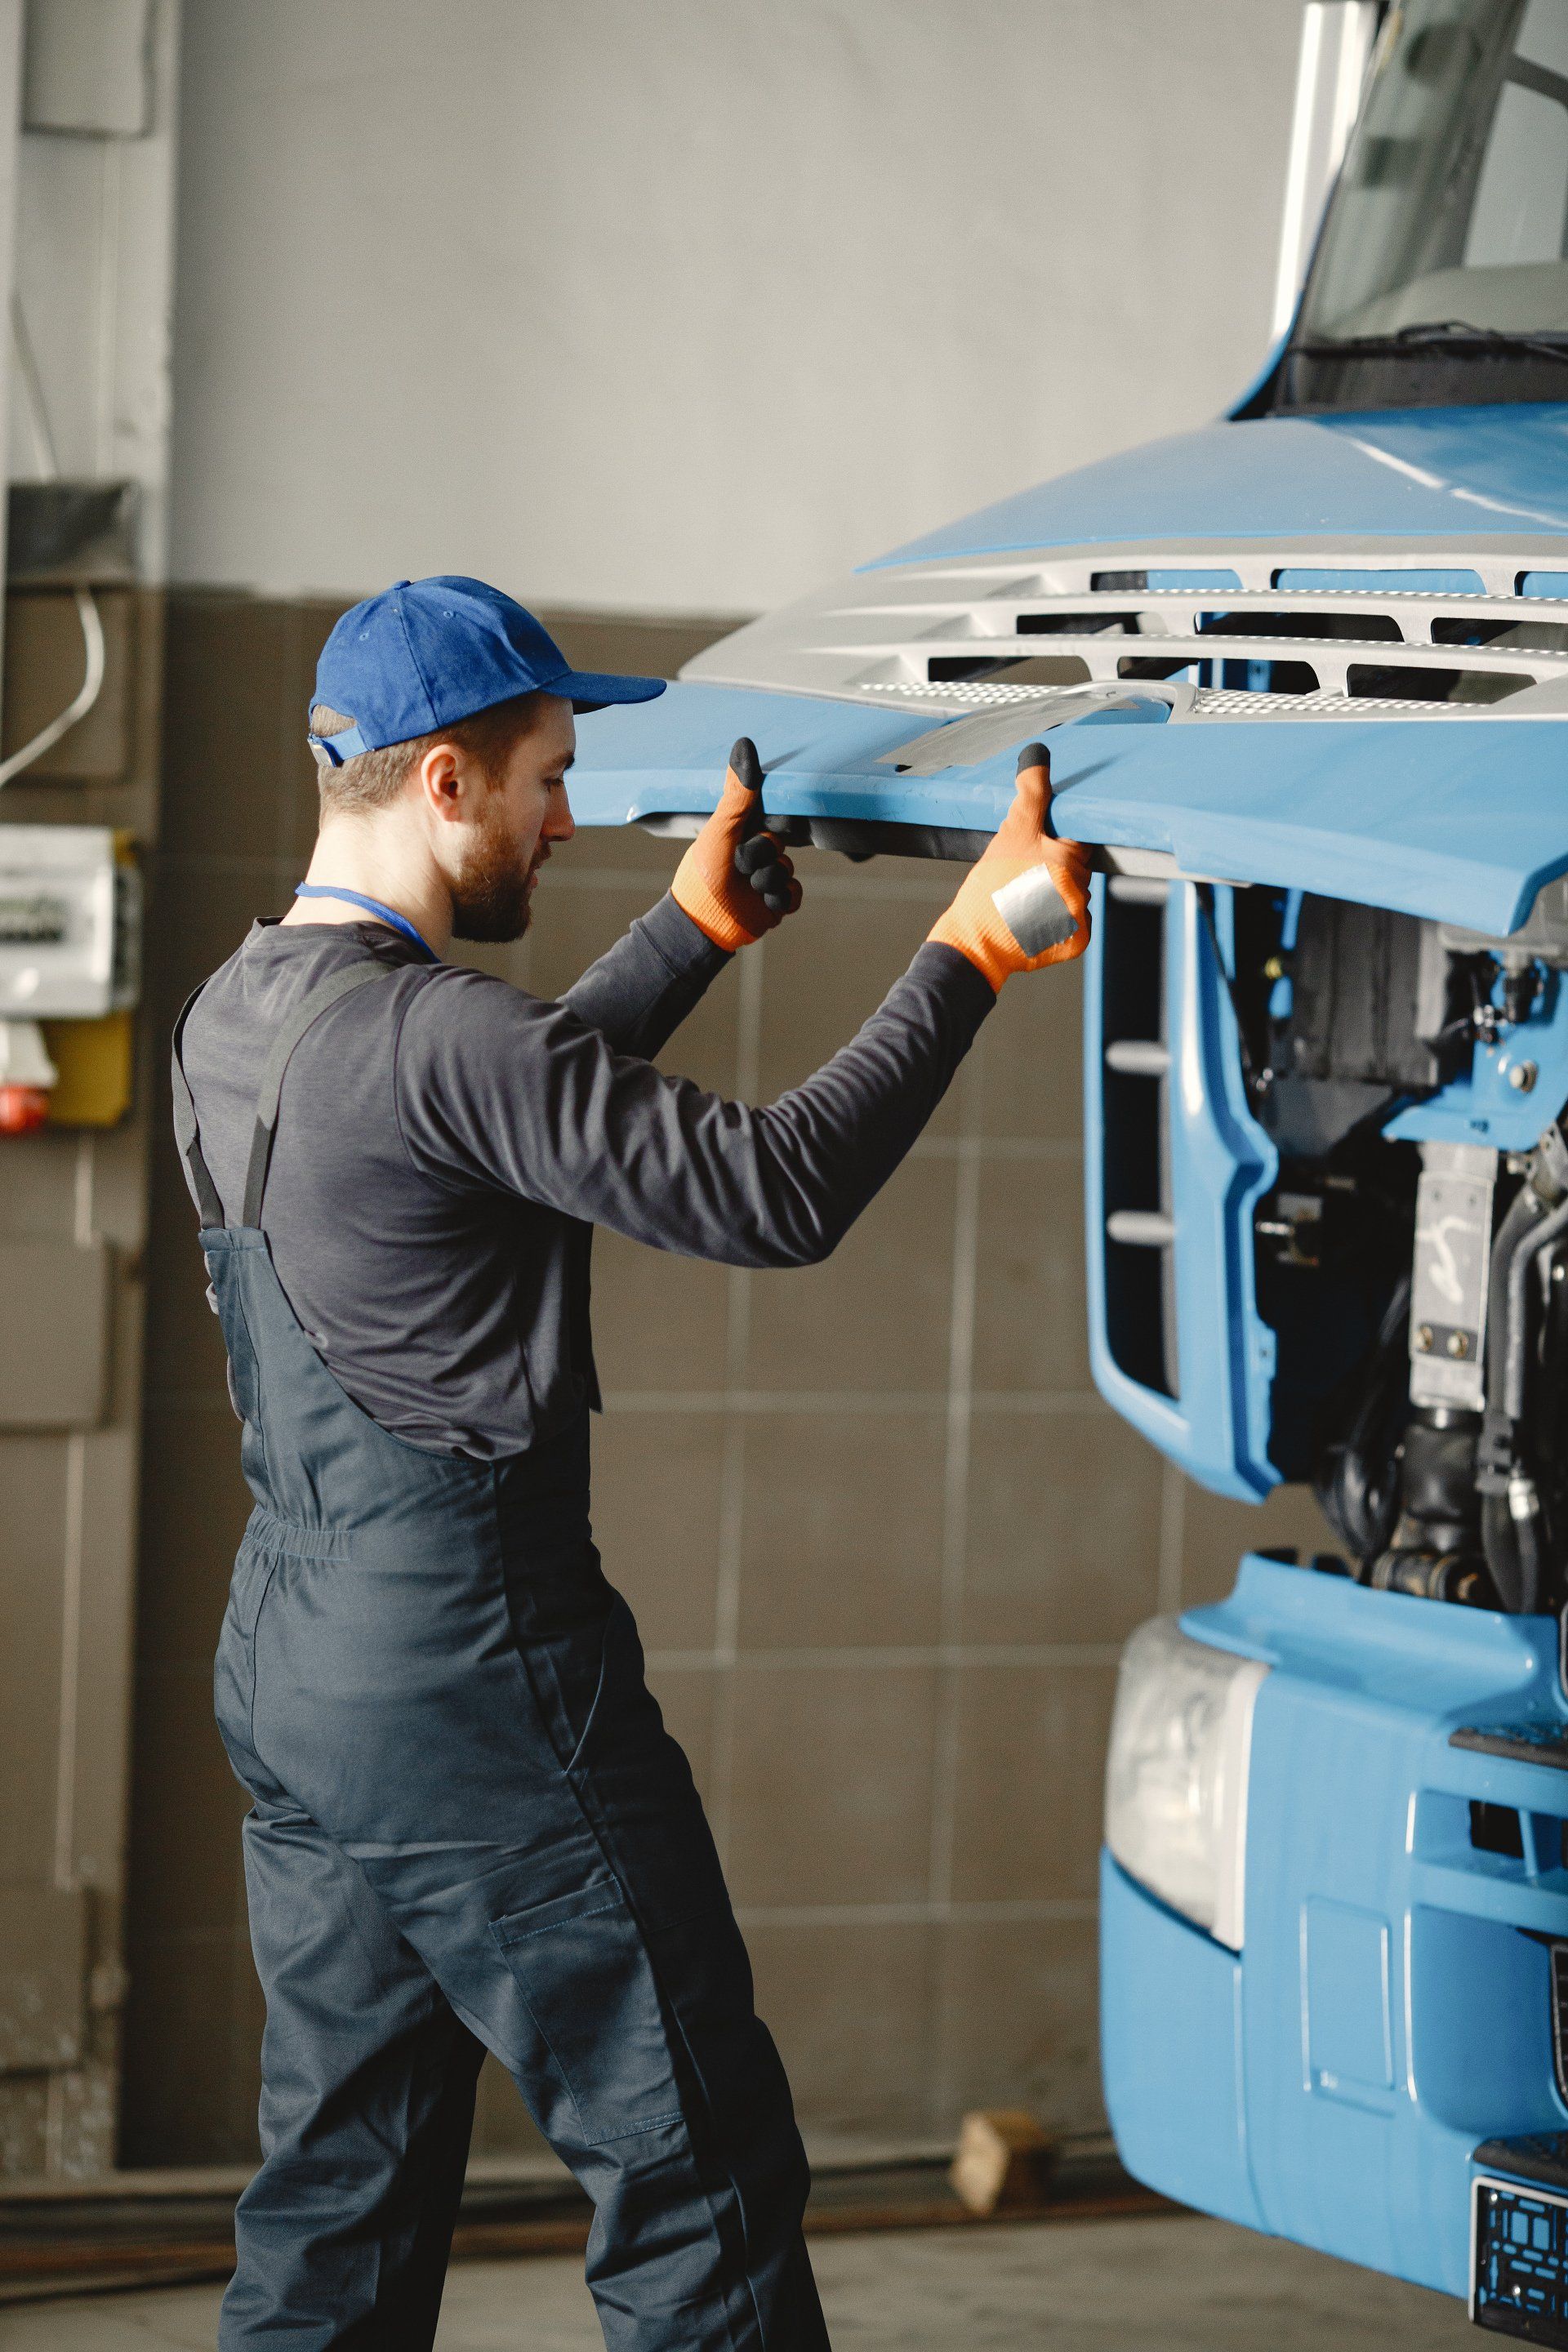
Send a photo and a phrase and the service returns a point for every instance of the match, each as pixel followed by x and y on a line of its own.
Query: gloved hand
pixel 1024 903
pixel 736 881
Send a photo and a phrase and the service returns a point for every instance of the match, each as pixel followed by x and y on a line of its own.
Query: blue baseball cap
pixel 427 653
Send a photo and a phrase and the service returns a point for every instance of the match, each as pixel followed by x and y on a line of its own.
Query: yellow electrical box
pixel 96 1061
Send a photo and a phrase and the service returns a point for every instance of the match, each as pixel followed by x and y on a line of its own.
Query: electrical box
pixel 70 923
pixel 86 68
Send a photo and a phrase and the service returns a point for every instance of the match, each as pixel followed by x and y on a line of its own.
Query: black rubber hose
pixel 1500 1545
pixel 1545 1231
pixel 1532 1568
pixel 1514 1235
pixel 1518 1237
pixel 1357 1483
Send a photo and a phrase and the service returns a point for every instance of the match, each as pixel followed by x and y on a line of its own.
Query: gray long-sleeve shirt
pixel 446 1143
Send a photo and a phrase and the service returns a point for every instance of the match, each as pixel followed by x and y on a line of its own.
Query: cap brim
pixel 592 689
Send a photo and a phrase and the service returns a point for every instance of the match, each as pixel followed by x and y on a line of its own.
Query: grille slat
pixel 877 637
pixel 1139 1228
pixel 1207 701
pixel 1138 1057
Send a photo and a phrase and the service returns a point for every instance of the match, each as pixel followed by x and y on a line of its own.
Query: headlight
pixel 1175 1785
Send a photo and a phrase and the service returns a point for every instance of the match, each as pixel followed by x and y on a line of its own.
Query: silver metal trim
pixel 1138 1057
pixel 1142 1228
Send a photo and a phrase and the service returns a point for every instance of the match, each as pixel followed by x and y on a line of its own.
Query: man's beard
pixel 491 896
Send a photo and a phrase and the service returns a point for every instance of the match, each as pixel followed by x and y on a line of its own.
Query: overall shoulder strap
pixel 209 1208
pixel 305 1014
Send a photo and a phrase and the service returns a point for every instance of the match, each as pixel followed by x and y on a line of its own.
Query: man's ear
pixel 441 782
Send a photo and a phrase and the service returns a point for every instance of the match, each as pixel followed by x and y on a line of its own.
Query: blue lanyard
pixel 372 906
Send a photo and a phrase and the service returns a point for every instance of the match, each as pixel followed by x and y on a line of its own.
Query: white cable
pixel 86 609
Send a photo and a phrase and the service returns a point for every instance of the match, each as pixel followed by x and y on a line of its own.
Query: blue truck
pixel 1304 677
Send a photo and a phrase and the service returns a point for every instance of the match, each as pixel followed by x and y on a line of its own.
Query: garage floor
pixel 1165 2285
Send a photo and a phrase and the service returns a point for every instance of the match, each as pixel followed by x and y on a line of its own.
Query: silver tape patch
pixel 1035 911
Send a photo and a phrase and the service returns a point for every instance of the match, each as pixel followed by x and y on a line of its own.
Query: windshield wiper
pixel 1454 338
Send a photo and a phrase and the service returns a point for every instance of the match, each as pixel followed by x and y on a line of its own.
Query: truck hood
pixel 1139 615
pixel 1424 473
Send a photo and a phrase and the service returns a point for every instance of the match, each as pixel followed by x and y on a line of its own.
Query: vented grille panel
pixel 974 632
pixel 1140 1256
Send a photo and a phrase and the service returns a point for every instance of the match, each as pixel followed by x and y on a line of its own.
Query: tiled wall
pixel 882 1540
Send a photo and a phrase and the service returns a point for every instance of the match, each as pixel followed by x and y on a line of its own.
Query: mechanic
pixel 468 1828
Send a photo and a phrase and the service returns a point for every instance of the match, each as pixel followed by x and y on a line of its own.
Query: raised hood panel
pixel 1431 473
pixel 1460 818
pixel 1232 639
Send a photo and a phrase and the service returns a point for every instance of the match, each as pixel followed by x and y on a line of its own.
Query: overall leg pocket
pixel 583 1973
pixel 234 1668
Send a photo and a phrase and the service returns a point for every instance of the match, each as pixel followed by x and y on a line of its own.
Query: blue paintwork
pixel 1380 581
pixel 1424 473
pixel 1392 2010
pixel 1193 575
pixel 1221 1161
pixel 820 755
pixel 1406 812
pixel 1431 816
pixel 1481 1106
pixel 1175 2094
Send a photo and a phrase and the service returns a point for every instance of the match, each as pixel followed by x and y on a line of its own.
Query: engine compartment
pixel 1406 1081
pixel 1415 1281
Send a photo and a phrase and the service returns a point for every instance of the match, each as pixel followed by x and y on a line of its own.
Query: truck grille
pixel 1254 636
pixel 1140 1231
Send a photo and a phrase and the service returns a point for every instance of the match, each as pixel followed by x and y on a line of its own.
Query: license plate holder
pixel 1519 2262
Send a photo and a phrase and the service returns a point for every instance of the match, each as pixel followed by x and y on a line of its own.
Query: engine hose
pixel 1504 1300
pixel 1357 1482
pixel 1538 1238
pixel 1524 1511
pixel 1522 1221
pixel 1511 1515
pixel 1499 1541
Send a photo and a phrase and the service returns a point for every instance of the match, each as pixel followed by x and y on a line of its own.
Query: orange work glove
pixel 736 881
pixel 1024 903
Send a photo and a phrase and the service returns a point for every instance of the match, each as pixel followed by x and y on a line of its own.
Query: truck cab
pixel 1303 674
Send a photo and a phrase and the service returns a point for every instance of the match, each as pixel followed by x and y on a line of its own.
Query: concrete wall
pixel 685 307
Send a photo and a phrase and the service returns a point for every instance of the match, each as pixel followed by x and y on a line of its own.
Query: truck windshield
pixel 1442 271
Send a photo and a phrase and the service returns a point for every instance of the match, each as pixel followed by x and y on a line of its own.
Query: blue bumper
pixel 1391 2008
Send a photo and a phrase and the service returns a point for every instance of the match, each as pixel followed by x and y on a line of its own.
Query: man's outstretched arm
pixel 519 1095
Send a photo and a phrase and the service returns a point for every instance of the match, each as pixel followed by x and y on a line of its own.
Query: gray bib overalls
pixel 469 1830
